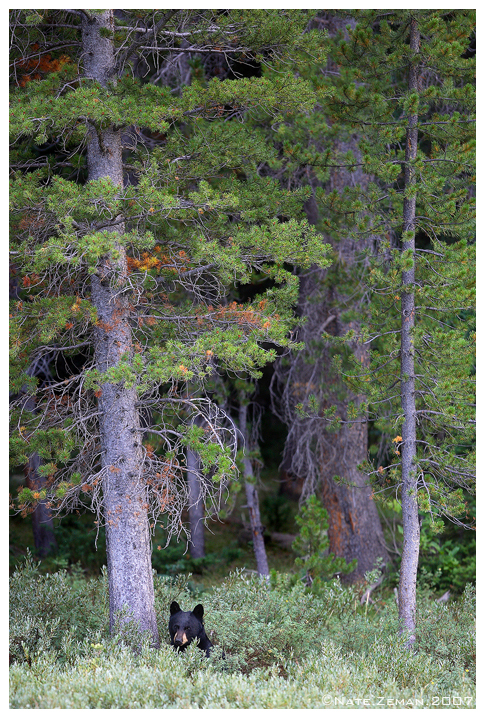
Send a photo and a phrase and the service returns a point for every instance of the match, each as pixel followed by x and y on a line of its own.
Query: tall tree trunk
pixel 128 544
pixel 313 452
pixel 196 506
pixel 354 527
pixel 316 453
pixel 257 528
pixel 410 550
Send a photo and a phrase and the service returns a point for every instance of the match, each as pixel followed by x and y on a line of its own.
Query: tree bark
pixel 312 451
pixel 196 506
pixel 128 544
pixel 354 529
pixel 257 529
pixel 410 550
pixel 354 526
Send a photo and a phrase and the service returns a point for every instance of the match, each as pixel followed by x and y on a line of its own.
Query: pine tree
pixel 134 206
pixel 326 443
pixel 410 92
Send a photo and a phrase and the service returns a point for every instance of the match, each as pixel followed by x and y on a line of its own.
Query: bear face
pixel 187 626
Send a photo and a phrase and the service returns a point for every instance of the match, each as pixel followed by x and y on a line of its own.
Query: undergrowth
pixel 284 647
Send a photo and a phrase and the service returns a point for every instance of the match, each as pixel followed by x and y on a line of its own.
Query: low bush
pixel 285 647
pixel 447 561
pixel 50 611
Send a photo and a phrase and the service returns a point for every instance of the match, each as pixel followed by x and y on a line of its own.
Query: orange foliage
pixel 27 281
pixel 31 221
pixel 150 450
pixel 148 261
pixel 76 305
pixel 242 315
pixel 37 67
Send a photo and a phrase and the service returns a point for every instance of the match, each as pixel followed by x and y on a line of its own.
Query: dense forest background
pixel 242 357
pixel 295 453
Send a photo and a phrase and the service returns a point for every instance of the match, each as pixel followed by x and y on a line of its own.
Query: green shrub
pixel 257 625
pixel 447 631
pixel 446 563
pixel 311 546
pixel 285 647
pixel 48 610
pixel 113 676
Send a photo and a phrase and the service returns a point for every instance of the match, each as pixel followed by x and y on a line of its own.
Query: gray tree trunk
pixel 196 506
pixel 128 544
pixel 257 528
pixel 410 550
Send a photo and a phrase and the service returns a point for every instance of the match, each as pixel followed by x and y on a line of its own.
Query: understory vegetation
pixel 284 646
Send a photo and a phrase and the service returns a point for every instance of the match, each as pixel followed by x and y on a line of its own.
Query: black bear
pixel 187 626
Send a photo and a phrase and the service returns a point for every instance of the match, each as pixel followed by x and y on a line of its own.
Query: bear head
pixel 185 626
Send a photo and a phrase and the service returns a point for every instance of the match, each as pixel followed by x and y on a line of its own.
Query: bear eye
pixel 186 628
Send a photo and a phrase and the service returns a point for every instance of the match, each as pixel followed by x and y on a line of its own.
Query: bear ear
pixel 174 608
pixel 198 611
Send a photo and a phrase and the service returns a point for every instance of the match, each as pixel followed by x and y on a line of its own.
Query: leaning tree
pixel 135 203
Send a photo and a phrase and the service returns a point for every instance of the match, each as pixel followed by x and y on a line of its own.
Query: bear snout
pixel 180 639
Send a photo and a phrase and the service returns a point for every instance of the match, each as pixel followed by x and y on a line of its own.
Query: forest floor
pixel 284 647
